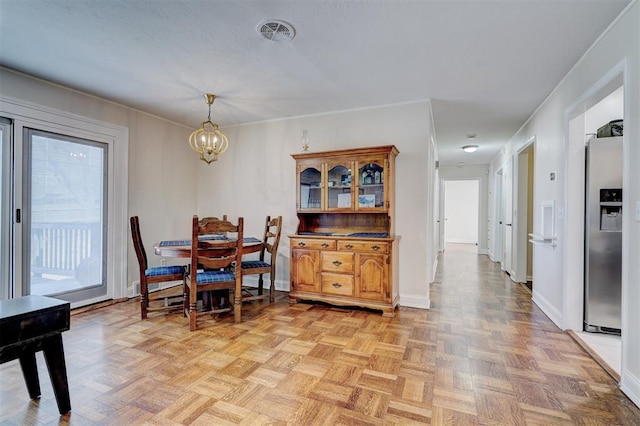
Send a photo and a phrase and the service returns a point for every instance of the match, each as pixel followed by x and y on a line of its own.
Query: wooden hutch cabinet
pixel 345 251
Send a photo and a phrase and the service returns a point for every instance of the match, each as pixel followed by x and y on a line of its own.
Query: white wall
pixel 618 49
pixel 461 211
pixel 256 177
pixel 162 179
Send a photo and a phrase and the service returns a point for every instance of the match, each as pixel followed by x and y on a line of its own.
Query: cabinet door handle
pixel 375 247
pixel 336 285
pixel 325 245
pixel 301 244
pixel 337 262
pixel 349 246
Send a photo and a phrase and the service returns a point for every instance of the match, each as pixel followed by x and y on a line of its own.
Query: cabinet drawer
pixel 337 262
pixel 311 243
pixel 337 284
pixel 364 246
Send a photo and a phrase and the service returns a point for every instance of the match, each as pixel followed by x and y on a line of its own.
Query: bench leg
pixel 30 374
pixel 54 356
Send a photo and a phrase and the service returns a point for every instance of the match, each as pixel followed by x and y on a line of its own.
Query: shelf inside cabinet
pixel 343 224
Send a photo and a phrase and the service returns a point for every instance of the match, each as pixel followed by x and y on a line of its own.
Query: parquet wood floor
pixel 484 354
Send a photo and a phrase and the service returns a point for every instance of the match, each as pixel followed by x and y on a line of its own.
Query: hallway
pixel 483 354
pixel 511 361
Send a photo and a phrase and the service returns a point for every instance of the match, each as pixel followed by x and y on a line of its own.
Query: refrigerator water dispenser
pixel 611 209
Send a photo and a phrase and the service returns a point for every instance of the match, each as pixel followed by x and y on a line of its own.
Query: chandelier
pixel 207 140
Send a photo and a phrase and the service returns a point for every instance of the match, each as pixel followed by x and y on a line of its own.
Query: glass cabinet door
pixel 310 188
pixel 339 186
pixel 371 186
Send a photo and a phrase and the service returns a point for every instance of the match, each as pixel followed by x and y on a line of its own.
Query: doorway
pixel 603 103
pixel 523 268
pixel 507 191
pixel 498 229
pixel 461 204
pixel 62 219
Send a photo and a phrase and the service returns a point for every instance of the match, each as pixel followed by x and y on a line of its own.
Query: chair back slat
pixel 271 240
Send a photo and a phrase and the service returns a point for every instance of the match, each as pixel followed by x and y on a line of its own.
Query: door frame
pixel 521 195
pixel 573 270
pixel 116 137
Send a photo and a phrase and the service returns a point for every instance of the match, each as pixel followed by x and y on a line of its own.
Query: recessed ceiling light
pixel 470 148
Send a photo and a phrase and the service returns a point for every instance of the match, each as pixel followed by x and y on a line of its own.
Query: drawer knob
pixel 301 244
pixel 337 285
pixel 349 246
pixel 325 245
pixel 376 247
pixel 337 262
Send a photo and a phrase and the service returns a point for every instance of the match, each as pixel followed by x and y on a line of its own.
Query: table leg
pixel 54 356
pixel 30 374
pixel 237 304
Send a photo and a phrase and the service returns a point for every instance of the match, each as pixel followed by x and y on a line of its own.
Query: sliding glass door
pixel 6 193
pixel 64 216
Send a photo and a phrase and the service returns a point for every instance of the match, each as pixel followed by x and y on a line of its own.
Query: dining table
pixel 182 249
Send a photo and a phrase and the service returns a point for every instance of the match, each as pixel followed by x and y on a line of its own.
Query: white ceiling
pixel 485 65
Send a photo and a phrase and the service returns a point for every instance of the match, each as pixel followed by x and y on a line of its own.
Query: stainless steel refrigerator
pixel 603 235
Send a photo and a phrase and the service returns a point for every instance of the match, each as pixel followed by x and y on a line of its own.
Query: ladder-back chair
pixel 266 264
pixel 155 275
pixel 211 261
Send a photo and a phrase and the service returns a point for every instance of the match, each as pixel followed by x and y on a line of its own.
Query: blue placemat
pixel 251 240
pixel 174 243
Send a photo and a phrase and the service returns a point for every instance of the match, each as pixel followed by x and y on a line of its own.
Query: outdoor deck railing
pixel 58 248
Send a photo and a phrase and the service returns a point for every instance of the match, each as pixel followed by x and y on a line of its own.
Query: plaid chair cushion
pixel 214 277
pixel 252 264
pixel 164 270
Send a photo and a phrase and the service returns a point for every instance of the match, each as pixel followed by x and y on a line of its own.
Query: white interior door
pixel 498 223
pixel 507 191
pixel 461 202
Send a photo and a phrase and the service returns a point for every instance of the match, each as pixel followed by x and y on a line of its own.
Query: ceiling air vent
pixel 276 30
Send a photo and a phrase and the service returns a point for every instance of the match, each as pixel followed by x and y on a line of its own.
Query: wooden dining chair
pixel 211 261
pixel 155 275
pixel 266 264
pixel 208 296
